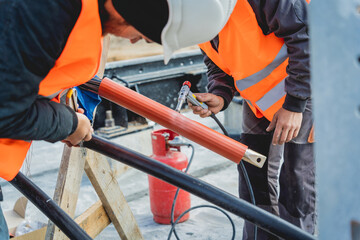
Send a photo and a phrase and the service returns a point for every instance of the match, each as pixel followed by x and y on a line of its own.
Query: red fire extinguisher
pixel 162 193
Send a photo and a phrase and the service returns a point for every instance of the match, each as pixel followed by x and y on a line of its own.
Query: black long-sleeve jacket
pixel 287 19
pixel 32 37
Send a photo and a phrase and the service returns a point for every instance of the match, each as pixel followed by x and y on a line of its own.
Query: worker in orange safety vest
pixel 262 53
pixel 49 46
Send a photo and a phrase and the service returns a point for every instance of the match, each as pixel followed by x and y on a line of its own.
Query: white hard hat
pixel 176 23
pixel 192 22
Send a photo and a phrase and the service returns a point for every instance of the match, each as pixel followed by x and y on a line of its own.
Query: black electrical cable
pixel 173 224
pixel 48 207
pixel 247 180
pixel 251 192
pixel 219 124
pixel 201 206
pixel 177 193
pixel 243 169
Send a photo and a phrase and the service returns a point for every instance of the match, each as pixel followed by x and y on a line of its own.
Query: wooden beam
pixel 106 186
pixel 67 186
pixel 93 221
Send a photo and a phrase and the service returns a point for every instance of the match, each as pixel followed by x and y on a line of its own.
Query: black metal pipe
pixel 239 207
pixel 47 206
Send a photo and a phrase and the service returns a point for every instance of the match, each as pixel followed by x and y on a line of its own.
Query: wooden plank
pixel 106 186
pixel 93 221
pixel 67 186
pixel 119 168
pixel 37 234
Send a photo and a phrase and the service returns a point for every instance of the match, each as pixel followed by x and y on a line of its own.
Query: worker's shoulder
pixel 44 11
pixel 38 29
pixel 40 24
pixel 26 6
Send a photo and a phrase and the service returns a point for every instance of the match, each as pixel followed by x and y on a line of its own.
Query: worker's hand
pixel 215 104
pixel 83 131
pixel 286 124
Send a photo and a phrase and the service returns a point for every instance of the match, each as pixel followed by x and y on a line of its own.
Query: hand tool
pixel 185 93
pixel 71 99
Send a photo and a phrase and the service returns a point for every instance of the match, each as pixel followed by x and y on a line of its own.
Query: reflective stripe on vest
pixel 257 62
pixel 249 81
pixel 77 64
pixel 272 96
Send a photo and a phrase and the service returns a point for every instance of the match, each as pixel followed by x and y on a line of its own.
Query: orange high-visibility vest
pixel 77 64
pixel 257 62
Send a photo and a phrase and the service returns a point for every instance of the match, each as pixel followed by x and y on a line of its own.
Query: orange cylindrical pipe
pixel 144 106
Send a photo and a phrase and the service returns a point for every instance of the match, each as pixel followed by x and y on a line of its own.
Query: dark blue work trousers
pixel 285 186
